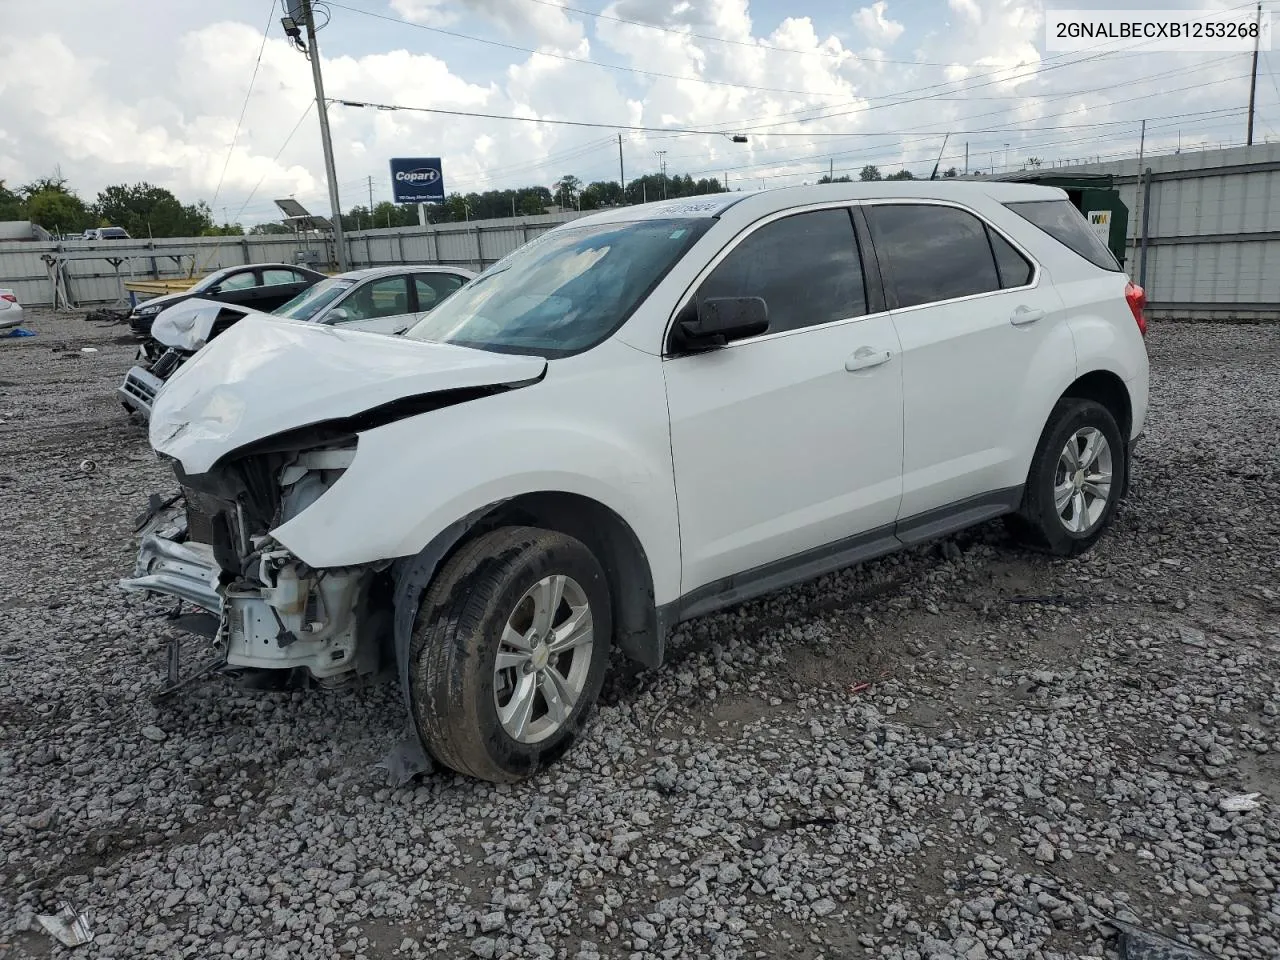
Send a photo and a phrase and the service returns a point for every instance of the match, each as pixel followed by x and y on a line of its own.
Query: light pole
pixel 662 161
pixel 300 17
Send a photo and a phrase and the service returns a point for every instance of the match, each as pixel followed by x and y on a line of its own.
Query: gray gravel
pixel 1043 745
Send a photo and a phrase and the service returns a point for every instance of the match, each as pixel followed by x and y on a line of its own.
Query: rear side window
pixel 805 267
pixel 932 252
pixel 1062 221
pixel 1014 269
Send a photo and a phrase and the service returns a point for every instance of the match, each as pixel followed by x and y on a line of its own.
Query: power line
pixel 244 106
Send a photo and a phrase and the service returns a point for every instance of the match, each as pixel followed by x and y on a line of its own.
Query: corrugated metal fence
pixel 96 271
pixel 1212 230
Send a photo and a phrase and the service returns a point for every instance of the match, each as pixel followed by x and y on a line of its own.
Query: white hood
pixel 266 375
pixel 187 325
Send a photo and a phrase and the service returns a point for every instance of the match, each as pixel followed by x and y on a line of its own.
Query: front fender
pixel 602 434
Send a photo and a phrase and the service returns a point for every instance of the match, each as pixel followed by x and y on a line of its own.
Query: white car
pixel 10 309
pixel 641 417
pixel 378 299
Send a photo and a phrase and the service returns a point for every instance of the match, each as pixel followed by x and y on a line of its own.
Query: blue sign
pixel 416 179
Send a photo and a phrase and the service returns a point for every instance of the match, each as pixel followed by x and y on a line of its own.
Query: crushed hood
pixel 187 324
pixel 266 375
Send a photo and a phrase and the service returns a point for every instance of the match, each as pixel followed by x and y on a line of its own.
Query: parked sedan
pixel 258 286
pixel 378 300
pixel 10 309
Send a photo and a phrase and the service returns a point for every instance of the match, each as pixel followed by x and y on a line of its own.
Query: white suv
pixel 637 418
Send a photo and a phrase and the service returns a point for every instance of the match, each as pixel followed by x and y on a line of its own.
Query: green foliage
pixel 11 205
pixel 900 175
pixel 146 210
pixel 58 211
pixel 869 172
pixel 827 179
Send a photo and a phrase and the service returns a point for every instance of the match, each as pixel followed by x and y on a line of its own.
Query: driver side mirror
pixel 215 289
pixel 336 315
pixel 715 322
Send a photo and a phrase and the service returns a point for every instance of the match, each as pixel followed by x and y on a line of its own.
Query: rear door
pixel 978 320
pixel 279 286
pixel 432 289
pixel 380 305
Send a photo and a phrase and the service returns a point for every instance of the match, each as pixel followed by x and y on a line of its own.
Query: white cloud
pixel 878 28
pixel 69 99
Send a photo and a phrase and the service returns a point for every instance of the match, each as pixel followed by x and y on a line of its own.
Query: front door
pixel 790 441
pixel 378 306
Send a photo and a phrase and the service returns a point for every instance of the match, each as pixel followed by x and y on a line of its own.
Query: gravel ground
pixel 964 751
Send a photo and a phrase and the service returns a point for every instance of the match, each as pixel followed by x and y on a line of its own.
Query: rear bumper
pixel 139 390
pixel 10 317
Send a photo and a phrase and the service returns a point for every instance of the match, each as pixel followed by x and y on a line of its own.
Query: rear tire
pixel 509 652
pixel 1075 482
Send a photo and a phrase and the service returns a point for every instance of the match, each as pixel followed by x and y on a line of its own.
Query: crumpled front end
pixel 210 547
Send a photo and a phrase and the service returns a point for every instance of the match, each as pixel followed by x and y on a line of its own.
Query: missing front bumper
pixel 138 392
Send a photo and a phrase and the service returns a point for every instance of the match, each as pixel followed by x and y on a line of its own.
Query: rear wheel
pixel 509 652
pixel 1075 482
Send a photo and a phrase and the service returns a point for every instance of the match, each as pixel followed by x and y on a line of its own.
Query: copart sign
pixel 416 180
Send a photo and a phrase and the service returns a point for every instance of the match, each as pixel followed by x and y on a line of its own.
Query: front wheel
pixel 509 652
pixel 1075 482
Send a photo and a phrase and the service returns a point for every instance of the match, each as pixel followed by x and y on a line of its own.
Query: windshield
pixel 563 293
pixel 314 299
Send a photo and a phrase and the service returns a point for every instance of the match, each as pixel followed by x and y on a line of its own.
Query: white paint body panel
pixel 266 375
pixel 779 449
pixel 187 325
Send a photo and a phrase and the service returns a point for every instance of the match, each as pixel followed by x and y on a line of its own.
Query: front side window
pixel 311 301
pixel 564 292
pixel 805 267
pixel 384 297
pixel 239 281
pixel 932 252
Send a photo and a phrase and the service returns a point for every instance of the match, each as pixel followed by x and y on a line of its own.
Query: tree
pixel 268 229
pixel 11 206
pixel 869 172
pixel 841 179
pixel 566 190
pixel 146 210
pixel 602 193
pixel 58 211
pixel 900 175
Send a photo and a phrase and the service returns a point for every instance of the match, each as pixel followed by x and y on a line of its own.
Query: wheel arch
pixel 1107 388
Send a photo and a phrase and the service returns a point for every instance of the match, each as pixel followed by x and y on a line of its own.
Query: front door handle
pixel 1025 315
pixel 866 357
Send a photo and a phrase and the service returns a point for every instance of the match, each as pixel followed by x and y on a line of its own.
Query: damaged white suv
pixel 640 417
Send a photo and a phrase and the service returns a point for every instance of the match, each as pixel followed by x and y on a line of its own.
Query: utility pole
pixel 662 159
pixel 1253 76
pixel 831 169
pixel 966 158
pixel 326 142
pixel 622 175
pixel 370 198
pixel 1137 189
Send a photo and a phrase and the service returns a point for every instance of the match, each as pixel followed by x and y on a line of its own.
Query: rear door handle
pixel 866 357
pixel 1025 315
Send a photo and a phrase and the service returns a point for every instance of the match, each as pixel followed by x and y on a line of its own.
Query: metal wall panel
pixel 473 245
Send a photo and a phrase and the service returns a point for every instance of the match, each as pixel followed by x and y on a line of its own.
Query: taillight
pixel 1136 297
pixel 8 296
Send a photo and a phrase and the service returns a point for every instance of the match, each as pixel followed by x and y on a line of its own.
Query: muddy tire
pixel 509 652
pixel 1076 479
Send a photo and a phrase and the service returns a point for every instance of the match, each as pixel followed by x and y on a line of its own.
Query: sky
pixel 212 101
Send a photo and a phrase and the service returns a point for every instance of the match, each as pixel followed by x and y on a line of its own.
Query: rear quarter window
pixel 1062 221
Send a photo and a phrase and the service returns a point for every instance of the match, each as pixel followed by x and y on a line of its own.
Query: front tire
pixel 509 652
pixel 1075 482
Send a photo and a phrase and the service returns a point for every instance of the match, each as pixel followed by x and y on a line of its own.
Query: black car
pixel 261 286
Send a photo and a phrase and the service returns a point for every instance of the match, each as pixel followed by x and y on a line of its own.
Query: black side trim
pixel 956 516
pixel 786 572
pixel 848 552
pixel 871 273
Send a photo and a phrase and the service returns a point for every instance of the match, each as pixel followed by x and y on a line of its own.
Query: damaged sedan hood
pixel 266 375
pixel 187 325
